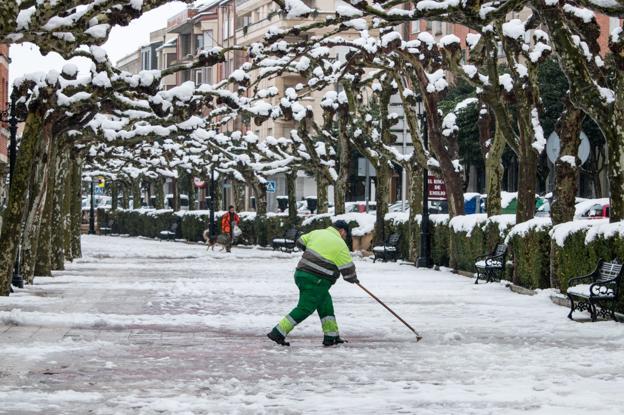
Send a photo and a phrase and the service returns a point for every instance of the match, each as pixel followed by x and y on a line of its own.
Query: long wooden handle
pixel 418 336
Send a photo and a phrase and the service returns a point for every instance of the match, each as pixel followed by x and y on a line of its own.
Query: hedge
pixel 529 247
pixel 542 256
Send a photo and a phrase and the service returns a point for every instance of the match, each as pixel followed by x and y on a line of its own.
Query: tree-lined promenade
pixel 126 127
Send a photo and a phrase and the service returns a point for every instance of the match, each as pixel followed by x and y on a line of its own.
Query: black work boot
pixel 278 337
pixel 333 341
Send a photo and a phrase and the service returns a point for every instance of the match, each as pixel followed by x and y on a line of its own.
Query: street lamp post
pixel 424 260
pixel 9 116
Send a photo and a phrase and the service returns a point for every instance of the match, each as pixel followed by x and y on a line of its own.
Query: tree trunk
pixel 136 194
pixel 159 193
pixel 344 159
pixel 59 214
pixel 527 176
pixel 125 198
pixel 191 192
pixel 176 195
pixel 382 193
pixel 291 184
pixel 238 188
pixel 494 171
pixel 76 208
pixel 68 206
pixel 261 199
pixel 38 195
pixel 114 195
pixel 43 265
pixel 12 218
pixel 615 145
pixel 566 166
pixel 321 193
pixel 492 147
pixel 415 208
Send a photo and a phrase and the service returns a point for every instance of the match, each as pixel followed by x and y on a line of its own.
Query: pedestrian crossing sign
pixel 270 187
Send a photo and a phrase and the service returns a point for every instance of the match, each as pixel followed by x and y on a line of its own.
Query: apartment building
pixel 131 62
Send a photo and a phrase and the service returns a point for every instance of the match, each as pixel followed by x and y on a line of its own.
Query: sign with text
pixel 437 188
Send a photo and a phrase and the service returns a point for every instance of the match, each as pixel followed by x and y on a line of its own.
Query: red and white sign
pixel 437 188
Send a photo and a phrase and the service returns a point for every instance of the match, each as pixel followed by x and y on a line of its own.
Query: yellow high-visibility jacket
pixel 326 255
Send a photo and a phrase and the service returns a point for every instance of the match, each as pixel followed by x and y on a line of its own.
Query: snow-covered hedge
pixel 255 231
pixel 474 235
pixel 577 246
pixel 529 248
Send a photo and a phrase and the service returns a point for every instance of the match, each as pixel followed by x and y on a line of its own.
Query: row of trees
pixel 107 122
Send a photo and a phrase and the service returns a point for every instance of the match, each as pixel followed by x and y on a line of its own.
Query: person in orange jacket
pixel 228 222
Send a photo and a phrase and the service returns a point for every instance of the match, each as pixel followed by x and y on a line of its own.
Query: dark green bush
pixel 439 242
pixel 530 250
pixel 465 246
pixel 572 259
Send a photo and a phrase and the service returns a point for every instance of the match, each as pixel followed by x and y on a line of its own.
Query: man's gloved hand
pixel 353 280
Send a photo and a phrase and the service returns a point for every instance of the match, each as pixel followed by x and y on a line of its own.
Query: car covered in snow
pixel 592 209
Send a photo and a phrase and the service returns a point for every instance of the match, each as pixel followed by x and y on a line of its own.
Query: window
pixel 185 45
pixel 436 28
pixel 199 42
pixel 429 26
pixel 415 26
pixel 208 39
pixel 208 78
pixel 171 58
pixel 199 77
pixel 185 76
pixel 244 21
pixel 146 59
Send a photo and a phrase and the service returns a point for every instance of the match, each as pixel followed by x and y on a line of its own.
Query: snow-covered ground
pixel 145 327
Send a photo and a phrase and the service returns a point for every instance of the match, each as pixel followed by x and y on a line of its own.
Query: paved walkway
pixel 146 327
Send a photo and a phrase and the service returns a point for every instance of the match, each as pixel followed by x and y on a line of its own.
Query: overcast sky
pixel 122 41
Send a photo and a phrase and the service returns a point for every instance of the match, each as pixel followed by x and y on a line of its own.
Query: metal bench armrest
pixel 594 288
pixel 575 280
pixel 591 276
pixel 495 258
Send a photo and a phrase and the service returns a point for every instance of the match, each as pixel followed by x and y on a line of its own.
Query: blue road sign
pixel 271 186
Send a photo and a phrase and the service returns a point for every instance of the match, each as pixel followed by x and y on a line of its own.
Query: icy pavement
pixel 145 327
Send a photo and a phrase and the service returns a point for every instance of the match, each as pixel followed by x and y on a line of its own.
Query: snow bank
pixel 504 222
pixel 605 230
pixel 397 218
pixel 561 231
pixel 523 228
pixel 467 223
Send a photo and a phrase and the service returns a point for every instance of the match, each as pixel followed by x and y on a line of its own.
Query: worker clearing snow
pixel 325 257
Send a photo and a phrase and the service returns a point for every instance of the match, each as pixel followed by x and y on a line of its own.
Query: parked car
pixel 592 209
pixel 360 207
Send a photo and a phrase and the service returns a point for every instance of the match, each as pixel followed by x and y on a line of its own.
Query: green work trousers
pixel 313 296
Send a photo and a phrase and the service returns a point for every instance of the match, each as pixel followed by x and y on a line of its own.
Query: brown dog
pixel 221 240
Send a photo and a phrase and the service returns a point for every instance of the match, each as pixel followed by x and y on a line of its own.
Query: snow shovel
pixel 418 336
